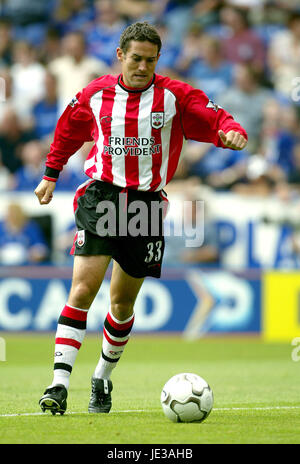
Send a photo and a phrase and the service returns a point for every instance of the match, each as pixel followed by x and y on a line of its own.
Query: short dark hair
pixel 141 32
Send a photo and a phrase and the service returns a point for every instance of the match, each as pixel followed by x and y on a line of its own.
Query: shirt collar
pixel 135 89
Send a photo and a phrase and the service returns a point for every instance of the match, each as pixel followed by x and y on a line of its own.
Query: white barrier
pixel 251 231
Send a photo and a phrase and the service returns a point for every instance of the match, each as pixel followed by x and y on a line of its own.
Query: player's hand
pixel 233 140
pixel 44 191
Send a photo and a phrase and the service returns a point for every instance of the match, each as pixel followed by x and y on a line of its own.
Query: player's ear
pixel 120 54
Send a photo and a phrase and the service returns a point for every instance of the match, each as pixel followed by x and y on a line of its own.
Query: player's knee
pixel 122 309
pixel 82 295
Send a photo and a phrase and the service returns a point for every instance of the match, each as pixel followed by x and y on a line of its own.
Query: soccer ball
pixel 186 398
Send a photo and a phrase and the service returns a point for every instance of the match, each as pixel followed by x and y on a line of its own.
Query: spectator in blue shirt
pixel 12 138
pixel 169 53
pixel 32 155
pixel 210 72
pixel 72 15
pixel 21 239
pixel 45 112
pixel 287 138
pixel 218 168
pixel 103 35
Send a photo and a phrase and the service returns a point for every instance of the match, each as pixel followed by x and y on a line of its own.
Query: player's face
pixel 138 63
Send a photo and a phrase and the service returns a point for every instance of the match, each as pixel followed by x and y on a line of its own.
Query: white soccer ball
pixel 186 398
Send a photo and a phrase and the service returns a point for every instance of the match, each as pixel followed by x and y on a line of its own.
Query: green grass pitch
pixel 255 385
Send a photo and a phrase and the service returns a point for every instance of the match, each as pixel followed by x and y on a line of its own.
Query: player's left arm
pixel 205 121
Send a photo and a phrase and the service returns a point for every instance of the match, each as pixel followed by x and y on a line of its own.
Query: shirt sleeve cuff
pixel 51 174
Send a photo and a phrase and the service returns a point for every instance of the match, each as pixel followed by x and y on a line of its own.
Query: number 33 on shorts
pixel 154 251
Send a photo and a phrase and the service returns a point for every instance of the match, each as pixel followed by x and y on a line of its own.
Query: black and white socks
pixel 70 333
pixel 115 336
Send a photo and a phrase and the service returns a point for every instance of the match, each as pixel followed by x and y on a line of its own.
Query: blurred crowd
pixel 244 54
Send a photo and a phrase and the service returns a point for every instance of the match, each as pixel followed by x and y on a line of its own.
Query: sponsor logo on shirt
pixel 106 119
pixel 131 146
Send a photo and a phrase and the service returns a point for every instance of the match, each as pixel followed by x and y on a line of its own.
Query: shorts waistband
pixel 117 189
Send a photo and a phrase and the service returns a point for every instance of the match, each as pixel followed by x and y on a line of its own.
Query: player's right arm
pixel 74 127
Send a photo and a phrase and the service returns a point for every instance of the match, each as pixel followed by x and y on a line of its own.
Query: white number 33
pixel 154 251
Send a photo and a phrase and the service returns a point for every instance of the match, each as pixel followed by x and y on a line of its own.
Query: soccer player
pixel 138 121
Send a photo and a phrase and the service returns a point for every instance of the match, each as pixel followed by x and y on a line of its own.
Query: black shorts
pixel 123 223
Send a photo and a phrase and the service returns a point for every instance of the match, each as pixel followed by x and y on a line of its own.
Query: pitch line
pixel 74 413
pixel 258 408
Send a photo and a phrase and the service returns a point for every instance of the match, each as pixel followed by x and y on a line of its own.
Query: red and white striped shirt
pixel 138 133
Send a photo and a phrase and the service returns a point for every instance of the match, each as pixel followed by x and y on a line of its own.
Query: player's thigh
pixel 88 274
pixel 123 292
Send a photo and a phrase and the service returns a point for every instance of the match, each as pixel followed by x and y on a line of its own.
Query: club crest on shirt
pixel 80 238
pixel 157 119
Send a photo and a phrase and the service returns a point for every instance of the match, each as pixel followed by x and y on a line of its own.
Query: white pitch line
pixel 258 408
pixel 70 412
